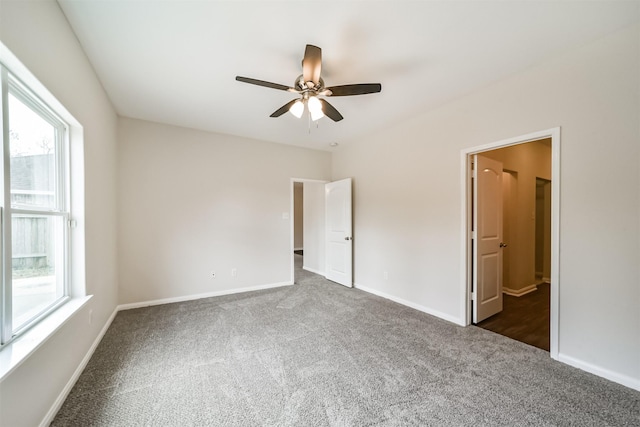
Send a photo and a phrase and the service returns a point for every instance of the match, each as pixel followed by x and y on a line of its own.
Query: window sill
pixel 16 352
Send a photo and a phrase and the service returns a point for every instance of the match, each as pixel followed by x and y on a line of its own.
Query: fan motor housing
pixel 303 86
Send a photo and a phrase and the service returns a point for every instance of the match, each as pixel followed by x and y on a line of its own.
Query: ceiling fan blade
pixel 330 111
pixel 312 64
pixel 280 111
pixel 265 84
pixel 357 89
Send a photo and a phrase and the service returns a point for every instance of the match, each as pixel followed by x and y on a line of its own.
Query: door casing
pixel 467 216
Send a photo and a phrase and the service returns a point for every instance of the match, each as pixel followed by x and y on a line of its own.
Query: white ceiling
pixel 175 61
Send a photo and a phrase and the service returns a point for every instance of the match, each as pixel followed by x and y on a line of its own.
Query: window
pixel 35 209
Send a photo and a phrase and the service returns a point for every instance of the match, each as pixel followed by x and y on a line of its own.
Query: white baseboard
pixel 311 270
pixel 519 292
pixel 76 374
pixel 625 380
pixel 132 305
pixel 441 315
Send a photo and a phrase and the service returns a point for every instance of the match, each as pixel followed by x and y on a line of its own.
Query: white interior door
pixel 339 240
pixel 487 244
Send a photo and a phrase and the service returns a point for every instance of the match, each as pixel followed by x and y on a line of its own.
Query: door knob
pixel 503 245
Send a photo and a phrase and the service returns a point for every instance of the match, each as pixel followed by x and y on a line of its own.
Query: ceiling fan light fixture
pixel 297 108
pixel 315 108
pixel 310 86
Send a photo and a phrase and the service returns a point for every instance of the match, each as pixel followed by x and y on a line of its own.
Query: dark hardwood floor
pixel 524 318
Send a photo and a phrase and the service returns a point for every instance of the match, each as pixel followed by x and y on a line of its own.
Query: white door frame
pixel 291 218
pixel 466 155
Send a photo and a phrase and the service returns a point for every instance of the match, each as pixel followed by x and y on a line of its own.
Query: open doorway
pixel 326 230
pixel 527 241
pixel 298 228
pixel 307 227
pixel 526 233
pixel 543 230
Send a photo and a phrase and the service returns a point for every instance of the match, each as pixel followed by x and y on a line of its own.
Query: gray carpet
pixel 317 353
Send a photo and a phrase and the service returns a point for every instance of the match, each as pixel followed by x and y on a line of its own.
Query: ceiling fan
pixel 311 87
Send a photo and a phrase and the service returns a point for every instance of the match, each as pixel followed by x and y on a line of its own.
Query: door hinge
pixel 473 296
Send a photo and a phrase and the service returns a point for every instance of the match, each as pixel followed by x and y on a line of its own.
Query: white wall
pixel 37 33
pixel 407 186
pixel 314 231
pixel 193 202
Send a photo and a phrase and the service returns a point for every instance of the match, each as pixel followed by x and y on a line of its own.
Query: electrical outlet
pixel 234 272
pixel 386 275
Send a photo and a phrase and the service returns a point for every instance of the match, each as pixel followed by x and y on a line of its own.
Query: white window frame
pixel 10 84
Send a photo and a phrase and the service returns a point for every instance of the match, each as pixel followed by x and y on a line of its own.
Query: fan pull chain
pixel 309 123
